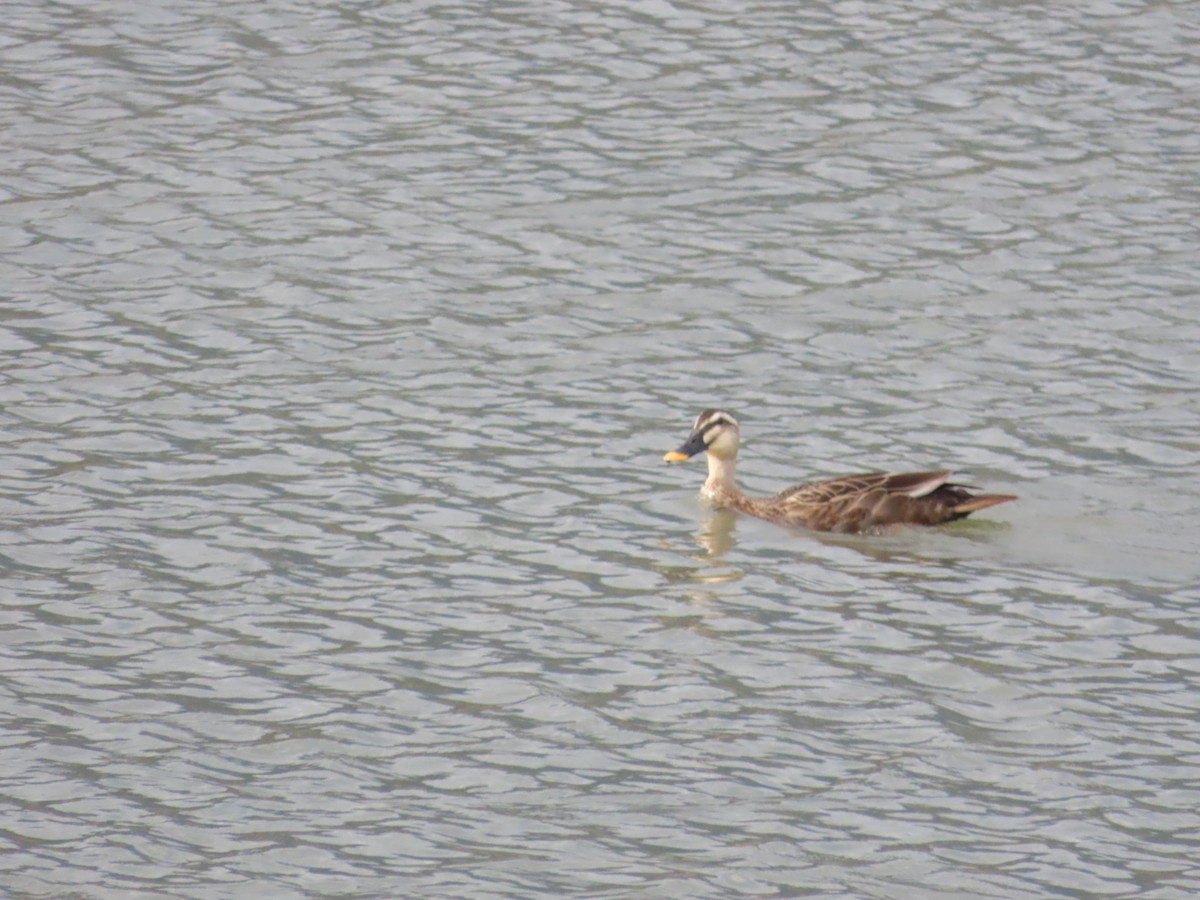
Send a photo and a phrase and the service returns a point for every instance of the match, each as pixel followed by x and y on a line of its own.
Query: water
pixel 341 346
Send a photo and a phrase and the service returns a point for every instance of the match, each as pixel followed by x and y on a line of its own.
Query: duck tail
pixel 982 501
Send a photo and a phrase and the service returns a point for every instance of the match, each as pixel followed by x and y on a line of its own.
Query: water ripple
pixel 342 345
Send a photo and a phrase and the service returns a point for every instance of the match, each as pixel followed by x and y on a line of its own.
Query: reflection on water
pixel 341 343
pixel 715 536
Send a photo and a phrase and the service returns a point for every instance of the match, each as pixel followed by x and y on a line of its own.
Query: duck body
pixel 872 501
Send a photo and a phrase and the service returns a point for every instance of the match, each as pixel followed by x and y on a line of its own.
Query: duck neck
pixel 720 484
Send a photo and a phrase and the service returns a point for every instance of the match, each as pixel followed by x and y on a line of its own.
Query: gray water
pixel 341 344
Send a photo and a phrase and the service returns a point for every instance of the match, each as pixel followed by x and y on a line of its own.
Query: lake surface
pixel 341 344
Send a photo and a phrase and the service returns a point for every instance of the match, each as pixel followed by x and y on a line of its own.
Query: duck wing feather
pixel 875 500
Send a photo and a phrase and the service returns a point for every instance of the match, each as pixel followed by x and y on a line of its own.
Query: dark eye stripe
pixel 711 424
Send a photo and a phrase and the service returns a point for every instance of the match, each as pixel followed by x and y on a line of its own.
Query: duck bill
pixel 695 443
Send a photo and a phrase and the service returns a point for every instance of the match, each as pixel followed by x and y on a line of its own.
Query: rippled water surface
pixel 341 343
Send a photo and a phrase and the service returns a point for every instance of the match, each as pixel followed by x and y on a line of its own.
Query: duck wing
pixel 877 499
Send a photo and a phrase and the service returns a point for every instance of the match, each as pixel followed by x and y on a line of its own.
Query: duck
pixel 871 502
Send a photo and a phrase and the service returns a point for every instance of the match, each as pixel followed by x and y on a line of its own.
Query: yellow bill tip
pixel 674 456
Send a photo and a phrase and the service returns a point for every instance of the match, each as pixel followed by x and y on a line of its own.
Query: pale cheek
pixel 723 446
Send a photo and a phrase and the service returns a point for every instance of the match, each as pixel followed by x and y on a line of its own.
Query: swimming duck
pixel 852 504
